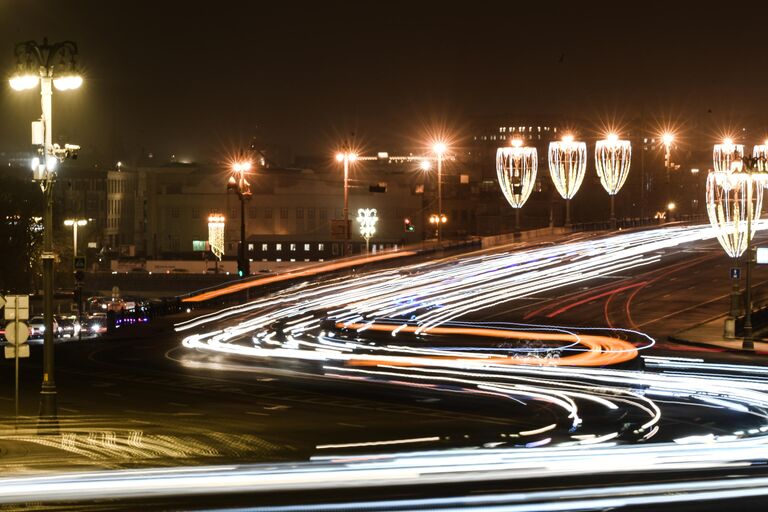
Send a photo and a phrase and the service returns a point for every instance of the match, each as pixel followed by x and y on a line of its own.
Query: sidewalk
pixel 710 333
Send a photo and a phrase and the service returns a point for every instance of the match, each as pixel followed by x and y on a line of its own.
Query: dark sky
pixel 197 78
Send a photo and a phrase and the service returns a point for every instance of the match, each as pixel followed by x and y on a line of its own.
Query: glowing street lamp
pixel 367 218
pixel 567 166
pixel 437 221
pixel 238 182
pixel 346 157
pixel 439 148
pixel 612 160
pixel 49 65
pixel 725 154
pixel 516 168
pixel 760 153
pixel 734 203
pixel 74 224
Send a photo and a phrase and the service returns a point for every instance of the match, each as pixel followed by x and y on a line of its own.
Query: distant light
pixel 728 141
pixel 383 155
pixel 668 138
pixel 516 143
pixel 352 156
pixel 568 138
pixel 35 164
pixel 425 165
pixel 439 148
pixel 694 171
pixel 612 137
pixel 671 206
pixel 339 157
pixel 22 82
pixel 51 163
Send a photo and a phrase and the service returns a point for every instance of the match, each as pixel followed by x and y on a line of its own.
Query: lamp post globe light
pixel 516 168
pixel 612 160
pixel 48 65
pixel 734 204
pixel 239 183
pixel 346 157
pixel 567 166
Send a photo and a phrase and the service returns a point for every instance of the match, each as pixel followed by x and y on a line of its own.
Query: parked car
pixel 95 324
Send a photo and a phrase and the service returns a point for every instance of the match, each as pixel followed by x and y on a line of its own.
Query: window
pixel 320 247
pixel 233 213
pixel 252 212
pixel 323 213
pixel 310 213
pixel 264 247
pixel 267 213
pixel 293 247
pixel 278 247
pixel 174 210
pixel 195 213
pixel 283 213
pixel 306 247
pixel 299 213
pixel 250 247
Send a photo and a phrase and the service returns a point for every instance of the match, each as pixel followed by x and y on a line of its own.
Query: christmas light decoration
pixel 612 160
pixel 567 166
pixel 725 154
pixel 516 168
pixel 367 218
pixel 216 234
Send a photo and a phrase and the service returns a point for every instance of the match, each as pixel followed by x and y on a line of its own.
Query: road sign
pixel 10 351
pixel 17 307
pixel 16 332
pixel 762 255
pixel 735 272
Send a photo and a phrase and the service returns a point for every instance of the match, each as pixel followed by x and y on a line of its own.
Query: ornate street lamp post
pixel 47 65
pixel 346 157
pixel 567 166
pixel 612 160
pixel 516 168
pixel 240 185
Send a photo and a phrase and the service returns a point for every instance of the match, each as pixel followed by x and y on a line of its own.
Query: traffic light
pixel 79 276
pixel 408 226
pixel 240 272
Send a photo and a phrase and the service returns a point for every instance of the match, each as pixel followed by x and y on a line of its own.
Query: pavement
pixel 711 333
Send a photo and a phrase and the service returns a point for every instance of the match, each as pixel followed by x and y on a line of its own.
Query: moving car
pixel 37 328
pixel 69 326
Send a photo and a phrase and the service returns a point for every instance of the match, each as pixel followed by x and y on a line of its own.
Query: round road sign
pixel 11 330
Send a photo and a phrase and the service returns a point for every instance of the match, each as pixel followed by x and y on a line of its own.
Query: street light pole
pixel 42 63
pixel 667 139
pixel 439 149
pixel 345 158
pixel 240 185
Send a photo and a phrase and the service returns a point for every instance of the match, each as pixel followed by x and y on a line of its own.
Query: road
pixel 420 359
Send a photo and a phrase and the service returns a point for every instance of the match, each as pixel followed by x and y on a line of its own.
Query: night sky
pixel 196 79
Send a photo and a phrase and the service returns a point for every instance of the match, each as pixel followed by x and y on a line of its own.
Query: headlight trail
pixel 403 327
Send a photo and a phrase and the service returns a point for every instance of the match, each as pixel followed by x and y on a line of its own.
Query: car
pixel 95 324
pixel 69 326
pixel 37 328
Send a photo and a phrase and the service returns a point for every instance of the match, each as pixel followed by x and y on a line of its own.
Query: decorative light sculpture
pixel 216 234
pixel 516 170
pixel 760 153
pixel 567 166
pixel 725 154
pixel 612 159
pixel 734 203
pixel 367 218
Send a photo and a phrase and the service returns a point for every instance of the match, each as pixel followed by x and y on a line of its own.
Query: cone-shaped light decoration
pixel 516 169
pixel 733 197
pixel 725 154
pixel 567 165
pixel 760 152
pixel 612 159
